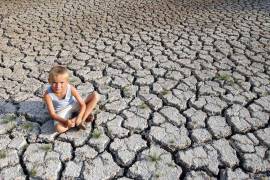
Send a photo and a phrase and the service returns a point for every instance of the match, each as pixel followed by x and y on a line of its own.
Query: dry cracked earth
pixel 185 87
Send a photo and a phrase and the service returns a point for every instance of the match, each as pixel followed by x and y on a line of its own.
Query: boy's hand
pixel 73 120
pixel 78 121
pixel 70 123
pixel 65 123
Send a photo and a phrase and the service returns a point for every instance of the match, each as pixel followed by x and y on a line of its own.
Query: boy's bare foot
pixel 82 126
pixel 90 118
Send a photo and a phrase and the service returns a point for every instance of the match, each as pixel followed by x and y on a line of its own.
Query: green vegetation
pixel 165 92
pixel 125 88
pixel 227 78
pixel 3 154
pixel 230 82
pixel 143 105
pixel 263 178
pixel 33 172
pixel 27 126
pixel 72 80
pixel 46 147
pixel 154 157
pixel 265 93
pixel 126 91
pixel 224 77
pixel 109 131
pixel 96 134
pixel 239 81
pixel 171 165
pixel 8 118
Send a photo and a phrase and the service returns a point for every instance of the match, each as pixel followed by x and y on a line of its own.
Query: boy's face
pixel 59 83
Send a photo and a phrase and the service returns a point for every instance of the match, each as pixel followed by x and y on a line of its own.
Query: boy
pixel 62 100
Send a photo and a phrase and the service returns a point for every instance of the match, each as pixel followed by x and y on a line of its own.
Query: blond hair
pixel 57 70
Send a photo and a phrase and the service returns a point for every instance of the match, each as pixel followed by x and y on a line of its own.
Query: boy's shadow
pixel 33 113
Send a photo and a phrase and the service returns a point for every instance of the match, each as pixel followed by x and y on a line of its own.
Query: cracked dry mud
pixel 184 84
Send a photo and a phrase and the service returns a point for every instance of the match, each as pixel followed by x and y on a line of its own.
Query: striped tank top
pixel 60 104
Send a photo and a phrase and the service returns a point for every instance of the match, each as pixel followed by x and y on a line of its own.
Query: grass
pixel 72 80
pixel 126 91
pixel 8 118
pixel 109 131
pixel 96 134
pixel 154 157
pixel 238 81
pixel 142 105
pixel 165 92
pixel 263 178
pixel 227 78
pixel 33 172
pixel 171 165
pixel 265 93
pixel 126 88
pixel 46 147
pixel 27 126
pixel 230 82
pixel 3 154
pixel 224 77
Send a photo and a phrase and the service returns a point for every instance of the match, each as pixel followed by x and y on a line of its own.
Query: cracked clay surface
pixel 184 85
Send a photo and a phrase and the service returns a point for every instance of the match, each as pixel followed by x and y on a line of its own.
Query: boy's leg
pixel 75 113
pixel 66 114
pixel 90 118
pixel 59 127
pixel 91 102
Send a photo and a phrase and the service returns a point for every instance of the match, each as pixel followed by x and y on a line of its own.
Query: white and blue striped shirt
pixel 60 104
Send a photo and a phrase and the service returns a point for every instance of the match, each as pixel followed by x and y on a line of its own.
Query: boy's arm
pixel 79 100
pixel 51 109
